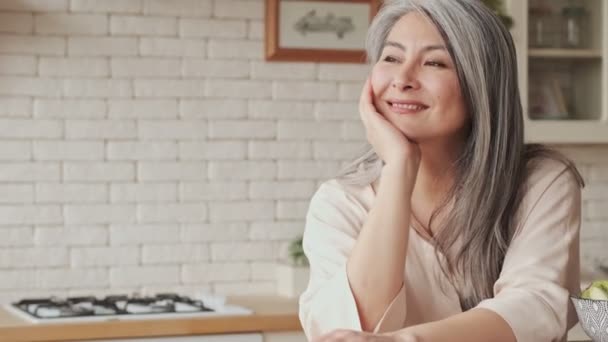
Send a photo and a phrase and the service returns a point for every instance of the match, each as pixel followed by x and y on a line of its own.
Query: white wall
pixel 146 145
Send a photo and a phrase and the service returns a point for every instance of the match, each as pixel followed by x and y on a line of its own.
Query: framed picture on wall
pixel 318 30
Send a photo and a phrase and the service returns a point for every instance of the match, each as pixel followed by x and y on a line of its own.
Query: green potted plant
pixel 292 277
pixel 296 252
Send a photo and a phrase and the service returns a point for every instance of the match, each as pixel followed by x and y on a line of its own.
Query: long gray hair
pixel 494 162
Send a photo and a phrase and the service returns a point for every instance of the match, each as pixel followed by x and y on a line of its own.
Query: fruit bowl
pixel 592 310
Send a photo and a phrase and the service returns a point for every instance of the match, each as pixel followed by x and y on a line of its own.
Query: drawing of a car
pixel 329 23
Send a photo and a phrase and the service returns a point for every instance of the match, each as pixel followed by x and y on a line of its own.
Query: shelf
pixel 557 79
pixel 564 53
pixel 566 131
pixel 567 86
pixel 559 121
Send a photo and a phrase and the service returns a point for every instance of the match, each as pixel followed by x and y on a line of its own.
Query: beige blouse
pixel 541 267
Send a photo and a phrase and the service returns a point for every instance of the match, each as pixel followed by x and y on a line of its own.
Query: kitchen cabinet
pixel 562 51
pixel 287 336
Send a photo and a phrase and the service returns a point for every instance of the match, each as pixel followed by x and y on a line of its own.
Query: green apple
pixel 598 290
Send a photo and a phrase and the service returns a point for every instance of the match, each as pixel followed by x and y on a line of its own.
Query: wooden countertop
pixel 270 314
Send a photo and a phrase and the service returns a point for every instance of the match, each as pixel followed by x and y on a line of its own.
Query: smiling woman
pixel 449 228
pixel 415 74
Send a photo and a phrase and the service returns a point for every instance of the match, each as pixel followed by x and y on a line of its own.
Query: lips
pixel 406 107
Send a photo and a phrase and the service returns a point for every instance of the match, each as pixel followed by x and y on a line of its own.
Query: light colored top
pixel 540 270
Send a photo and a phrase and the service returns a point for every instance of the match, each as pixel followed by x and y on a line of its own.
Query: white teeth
pixel 408 106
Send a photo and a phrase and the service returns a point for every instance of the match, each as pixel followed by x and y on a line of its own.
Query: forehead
pixel 413 28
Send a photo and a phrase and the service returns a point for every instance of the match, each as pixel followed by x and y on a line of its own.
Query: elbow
pixel 405 336
pixel 305 316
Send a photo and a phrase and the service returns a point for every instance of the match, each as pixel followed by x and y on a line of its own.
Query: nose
pixel 406 78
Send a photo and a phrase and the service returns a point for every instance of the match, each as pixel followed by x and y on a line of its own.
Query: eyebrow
pixel 426 48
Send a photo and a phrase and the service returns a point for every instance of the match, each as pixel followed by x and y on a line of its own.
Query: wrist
pixel 402 176
pixel 403 336
pixel 403 169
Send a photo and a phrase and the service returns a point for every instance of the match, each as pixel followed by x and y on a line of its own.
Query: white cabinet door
pixel 290 336
pixel 563 89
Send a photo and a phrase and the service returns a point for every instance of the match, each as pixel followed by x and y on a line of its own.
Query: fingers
pixel 387 140
pixel 367 110
pixel 366 101
pixel 362 101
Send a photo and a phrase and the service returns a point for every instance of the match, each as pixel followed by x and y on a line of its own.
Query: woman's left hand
pixel 358 336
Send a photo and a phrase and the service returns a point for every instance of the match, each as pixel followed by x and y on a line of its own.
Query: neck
pixel 435 177
pixel 436 173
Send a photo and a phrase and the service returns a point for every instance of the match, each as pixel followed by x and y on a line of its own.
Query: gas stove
pixel 120 307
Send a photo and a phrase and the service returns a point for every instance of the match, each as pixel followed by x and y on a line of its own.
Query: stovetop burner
pixel 114 305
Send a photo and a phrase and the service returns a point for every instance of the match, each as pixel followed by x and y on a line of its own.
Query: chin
pixel 414 135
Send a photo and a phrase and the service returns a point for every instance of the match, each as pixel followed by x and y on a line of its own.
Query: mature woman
pixel 450 228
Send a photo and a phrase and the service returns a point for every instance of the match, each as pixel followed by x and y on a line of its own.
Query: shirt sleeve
pixel 541 267
pixel 332 225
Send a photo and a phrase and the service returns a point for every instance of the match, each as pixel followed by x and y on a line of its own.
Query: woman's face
pixel 415 83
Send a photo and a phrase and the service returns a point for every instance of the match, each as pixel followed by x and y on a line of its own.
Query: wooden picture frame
pixel 312 31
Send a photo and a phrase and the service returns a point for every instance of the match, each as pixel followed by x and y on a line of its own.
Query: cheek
pixel 447 92
pixel 455 103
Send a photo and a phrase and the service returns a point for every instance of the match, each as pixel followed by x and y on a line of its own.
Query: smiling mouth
pixel 406 107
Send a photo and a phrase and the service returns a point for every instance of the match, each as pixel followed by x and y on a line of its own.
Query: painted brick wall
pixel 145 145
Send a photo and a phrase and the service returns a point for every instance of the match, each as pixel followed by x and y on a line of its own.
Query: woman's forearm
pixel 376 265
pixel 476 325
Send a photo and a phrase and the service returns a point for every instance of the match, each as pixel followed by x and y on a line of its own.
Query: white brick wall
pixel 71 236
pixel 85 24
pixel 99 46
pixel 74 109
pixel 196 8
pixel 107 6
pixel 17 65
pixel 147 145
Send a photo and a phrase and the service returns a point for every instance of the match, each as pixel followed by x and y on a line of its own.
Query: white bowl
pixel 593 317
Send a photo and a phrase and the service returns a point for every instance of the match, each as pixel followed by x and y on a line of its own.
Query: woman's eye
pixel 389 59
pixel 435 64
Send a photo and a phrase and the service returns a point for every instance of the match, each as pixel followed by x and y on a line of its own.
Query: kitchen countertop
pixel 271 313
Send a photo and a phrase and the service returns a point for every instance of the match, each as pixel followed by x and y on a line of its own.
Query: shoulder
pixel 339 204
pixel 340 193
pixel 551 187
pixel 546 174
pixel 335 216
